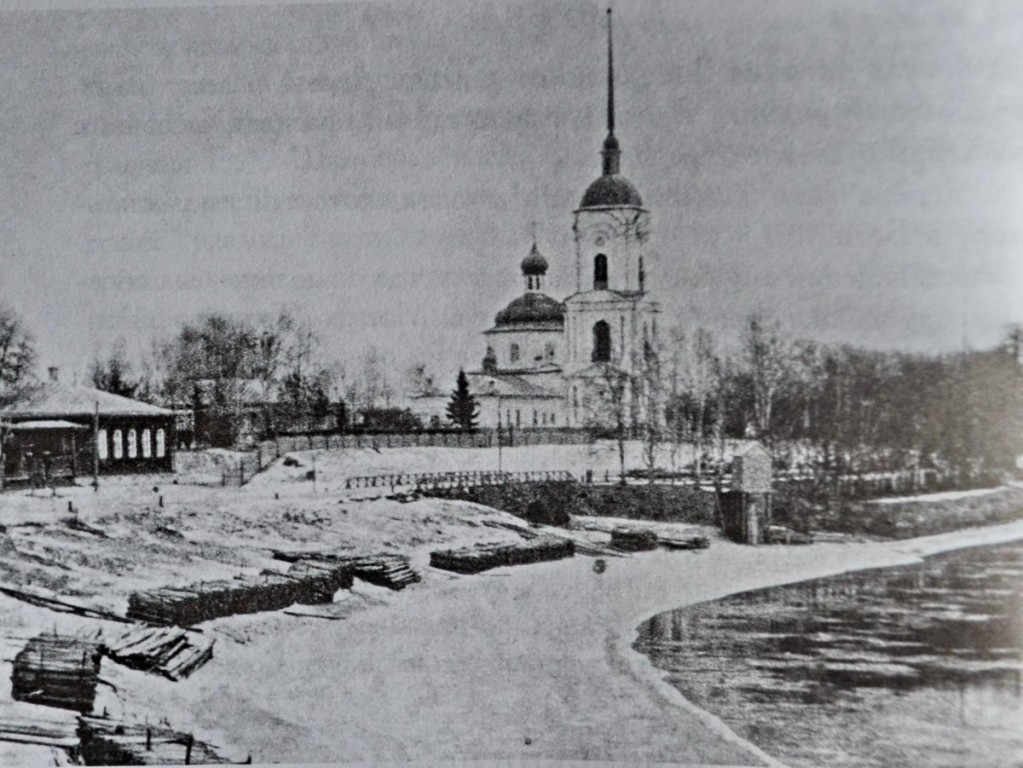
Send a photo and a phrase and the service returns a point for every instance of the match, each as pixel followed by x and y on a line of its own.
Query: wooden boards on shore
pixel 169 651
pixel 633 539
pixel 383 569
pixel 57 671
pixel 270 591
pixel 111 742
pixel 43 733
pixel 483 557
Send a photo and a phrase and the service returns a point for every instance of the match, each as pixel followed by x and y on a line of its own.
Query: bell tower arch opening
pixel 600 272
pixel 601 342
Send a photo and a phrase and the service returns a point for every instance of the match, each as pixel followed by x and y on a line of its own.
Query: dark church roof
pixel 611 190
pixel 529 309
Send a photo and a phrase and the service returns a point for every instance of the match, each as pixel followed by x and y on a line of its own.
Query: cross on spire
pixel 611 152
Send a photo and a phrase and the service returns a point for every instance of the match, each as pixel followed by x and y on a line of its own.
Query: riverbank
pixel 530 663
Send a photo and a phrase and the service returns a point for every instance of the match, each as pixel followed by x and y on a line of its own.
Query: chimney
pixel 53 371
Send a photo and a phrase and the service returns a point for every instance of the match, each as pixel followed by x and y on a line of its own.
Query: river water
pixel 920 665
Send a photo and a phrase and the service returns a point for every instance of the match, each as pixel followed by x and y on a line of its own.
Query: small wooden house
pixel 57 432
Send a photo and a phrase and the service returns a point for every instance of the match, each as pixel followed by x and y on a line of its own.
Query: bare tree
pixel 17 354
pixel 651 395
pixel 369 384
pixel 608 405
pixel 675 423
pixel 702 381
pixel 114 373
pixel 767 354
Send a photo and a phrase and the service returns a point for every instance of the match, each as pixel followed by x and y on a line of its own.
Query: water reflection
pixel 880 650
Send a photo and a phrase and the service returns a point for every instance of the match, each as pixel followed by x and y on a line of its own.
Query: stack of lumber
pixel 633 539
pixel 110 742
pixel 58 671
pixel 185 606
pixel 168 651
pixel 483 557
pixel 323 577
pixel 384 570
pixel 47 599
pixel 779 534
pixel 684 542
pixel 49 733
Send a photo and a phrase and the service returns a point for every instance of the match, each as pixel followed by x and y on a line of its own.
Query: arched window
pixel 161 446
pixel 133 446
pixel 101 444
pixel 601 342
pixel 118 445
pixel 514 353
pixel 600 272
pixel 147 444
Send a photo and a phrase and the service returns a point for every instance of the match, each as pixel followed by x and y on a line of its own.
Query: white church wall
pixel 534 348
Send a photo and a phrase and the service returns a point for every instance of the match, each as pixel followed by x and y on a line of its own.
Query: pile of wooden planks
pixel 633 539
pixel 43 733
pixel 270 591
pixel 779 534
pixel 58 671
pixel 324 579
pixel 169 651
pixel 384 569
pixel 483 557
pixel 110 742
pixel 684 542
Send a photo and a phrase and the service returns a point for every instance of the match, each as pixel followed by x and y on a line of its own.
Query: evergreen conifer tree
pixel 463 409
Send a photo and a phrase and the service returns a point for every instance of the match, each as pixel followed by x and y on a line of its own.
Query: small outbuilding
pixel 56 432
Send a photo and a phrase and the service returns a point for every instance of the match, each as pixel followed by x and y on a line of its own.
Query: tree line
pixel 822 409
pixel 839 409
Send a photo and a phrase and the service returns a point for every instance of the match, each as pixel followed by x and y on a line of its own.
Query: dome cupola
pixel 534 263
pixel 534 267
pixel 611 189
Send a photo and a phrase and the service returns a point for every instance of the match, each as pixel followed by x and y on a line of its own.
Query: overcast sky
pixel 855 168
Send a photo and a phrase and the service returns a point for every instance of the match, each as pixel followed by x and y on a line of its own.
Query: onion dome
pixel 530 309
pixel 611 190
pixel 534 263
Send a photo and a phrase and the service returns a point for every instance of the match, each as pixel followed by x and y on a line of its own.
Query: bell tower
pixel 610 319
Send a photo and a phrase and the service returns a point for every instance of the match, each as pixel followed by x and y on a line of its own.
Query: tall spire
pixel 611 152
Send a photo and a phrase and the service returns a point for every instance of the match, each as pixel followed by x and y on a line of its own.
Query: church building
pixel 580 362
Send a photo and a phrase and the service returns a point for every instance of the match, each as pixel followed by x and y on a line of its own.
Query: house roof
pixel 23 426
pixel 57 401
pixel 504 385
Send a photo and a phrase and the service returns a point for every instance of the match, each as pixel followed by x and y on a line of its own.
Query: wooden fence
pixel 266 452
pixel 435 480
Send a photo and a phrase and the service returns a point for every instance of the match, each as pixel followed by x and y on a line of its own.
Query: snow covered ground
pixel 528 663
pixel 523 663
pixel 943 496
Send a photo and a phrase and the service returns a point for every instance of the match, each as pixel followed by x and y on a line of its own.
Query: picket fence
pixel 264 453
